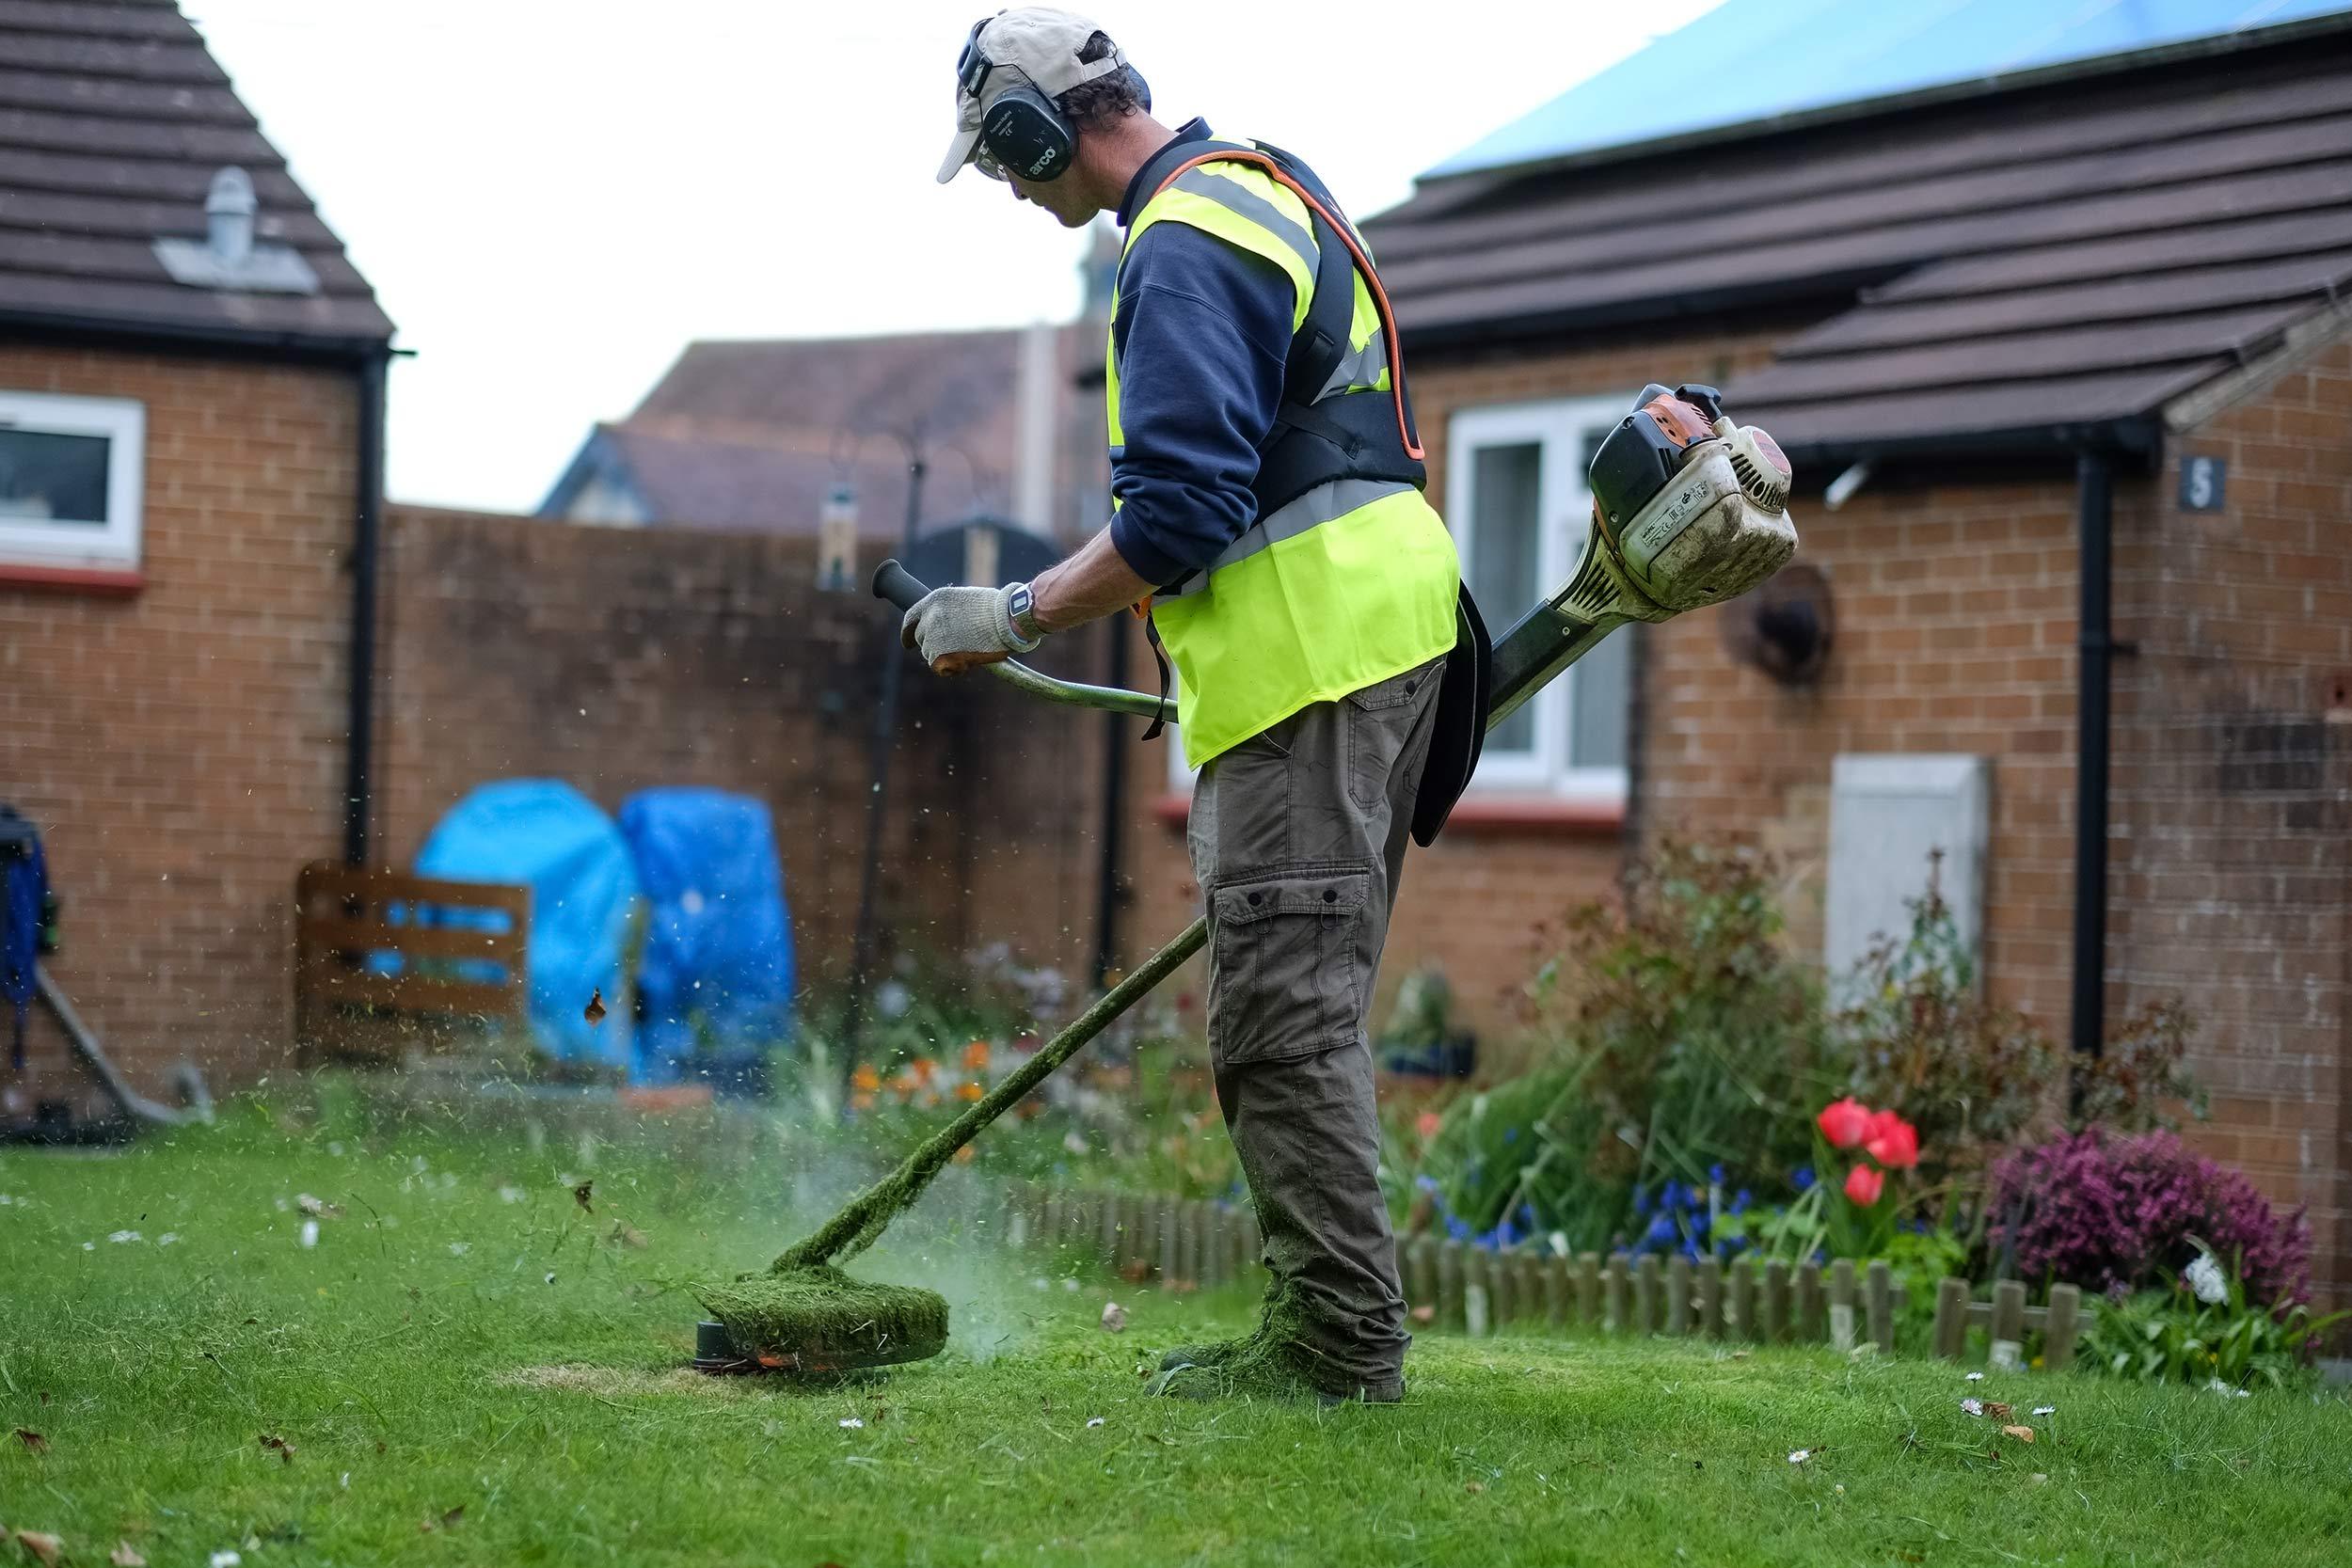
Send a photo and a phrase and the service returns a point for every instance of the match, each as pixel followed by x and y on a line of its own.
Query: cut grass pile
pixel 468 1364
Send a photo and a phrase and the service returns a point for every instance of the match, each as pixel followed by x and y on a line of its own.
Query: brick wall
pixel 1955 632
pixel 623 659
pixel 2231 800
pixel 183 749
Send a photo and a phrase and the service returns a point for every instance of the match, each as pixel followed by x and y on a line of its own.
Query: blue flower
pixel 1426 1183
pixel 1715 1173
pixel 1641 1200
pixel 1699 1222
pixel 1503 1231
pixel 1510 1134
pixel 1661 1229
pixel 1672 1197
pixel 1740 1199
pixel 1527 1215
pixel 1803 1180
pixel 1690 1249
pixel 1458 1229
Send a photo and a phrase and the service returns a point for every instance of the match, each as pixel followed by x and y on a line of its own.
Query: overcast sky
pixel 553 197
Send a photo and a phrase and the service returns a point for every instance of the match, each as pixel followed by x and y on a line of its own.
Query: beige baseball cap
pixel 1033 47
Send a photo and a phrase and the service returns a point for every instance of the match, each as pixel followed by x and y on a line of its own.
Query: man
pixel 1267 503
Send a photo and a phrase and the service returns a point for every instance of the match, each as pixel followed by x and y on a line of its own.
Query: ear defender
pixel 1028 137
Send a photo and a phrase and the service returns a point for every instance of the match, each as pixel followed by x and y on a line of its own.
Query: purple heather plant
pixel 2114 1213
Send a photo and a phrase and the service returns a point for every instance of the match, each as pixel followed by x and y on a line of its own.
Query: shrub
pixel 2112 1214
pixel 1674 1035
pixel 2142 1073
pixel 1970 1075
pixel 2203 1327
pixel 1976 1078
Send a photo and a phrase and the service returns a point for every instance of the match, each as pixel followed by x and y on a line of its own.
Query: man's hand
pixel 961 629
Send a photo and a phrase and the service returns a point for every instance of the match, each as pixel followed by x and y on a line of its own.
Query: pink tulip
pixel 1844 1123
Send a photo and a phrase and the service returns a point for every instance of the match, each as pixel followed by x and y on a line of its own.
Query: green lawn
pixel 418 1361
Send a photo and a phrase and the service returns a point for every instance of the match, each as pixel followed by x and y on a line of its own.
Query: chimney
pixel 229 209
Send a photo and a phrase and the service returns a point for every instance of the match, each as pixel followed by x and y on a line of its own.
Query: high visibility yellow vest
pixel 1332 590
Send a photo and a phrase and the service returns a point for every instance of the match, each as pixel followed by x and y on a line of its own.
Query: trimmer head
pixel 816 1322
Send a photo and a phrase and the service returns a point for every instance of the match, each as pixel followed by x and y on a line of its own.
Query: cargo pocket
pixel 1285 978
pixel 1379 721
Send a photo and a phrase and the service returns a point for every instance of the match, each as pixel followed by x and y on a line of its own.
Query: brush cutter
pixel 1688 510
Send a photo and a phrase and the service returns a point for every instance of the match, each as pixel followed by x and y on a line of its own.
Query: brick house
pixel 2069 332
pixel 191 417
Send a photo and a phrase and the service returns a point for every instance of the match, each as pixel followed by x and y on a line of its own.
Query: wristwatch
pixel 1021 610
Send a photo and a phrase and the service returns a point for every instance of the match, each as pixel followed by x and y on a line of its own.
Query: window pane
pixel 53 478
pixel 1597 731
pixel 1603 693
pixel 1506 553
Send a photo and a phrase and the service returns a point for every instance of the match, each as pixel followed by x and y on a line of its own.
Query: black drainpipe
pixel 359 758
pixel 2095 518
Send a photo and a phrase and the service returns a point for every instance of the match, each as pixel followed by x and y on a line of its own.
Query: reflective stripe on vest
pixel 1350 583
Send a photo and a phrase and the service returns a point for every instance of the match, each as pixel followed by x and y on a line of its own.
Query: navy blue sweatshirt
pixel 1202 333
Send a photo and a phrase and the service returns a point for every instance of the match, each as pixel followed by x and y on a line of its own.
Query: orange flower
pixel 922 1067
pixel 968 1090
pixel 904 1084
pixel 964 1155
pixel 975 1054
pixel 861 1100
pixel 866 1078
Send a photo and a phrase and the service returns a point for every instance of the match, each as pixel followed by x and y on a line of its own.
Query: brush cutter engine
pixel 1688 503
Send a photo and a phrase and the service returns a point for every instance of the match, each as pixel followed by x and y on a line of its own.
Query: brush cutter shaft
pixel 854 1229
pixel 902 588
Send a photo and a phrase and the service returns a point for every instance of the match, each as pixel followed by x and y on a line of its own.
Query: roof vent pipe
pixel 228 209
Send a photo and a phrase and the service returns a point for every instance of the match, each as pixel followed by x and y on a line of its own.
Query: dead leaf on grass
pixel 579 1195
pixel 46 1547
pixel 1473 1487
pixel 2024 1434
pixel 125 1556
pixel 32 1439
pixel 1998 1411
pixel 427 1524
pixel 279 1446
pixel 594 1012
pixel 318 1208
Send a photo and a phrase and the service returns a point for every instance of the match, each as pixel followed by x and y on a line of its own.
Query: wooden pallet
pixel 436 996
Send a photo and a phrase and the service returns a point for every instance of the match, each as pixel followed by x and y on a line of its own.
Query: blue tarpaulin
pixel 549 836
pixel 717 971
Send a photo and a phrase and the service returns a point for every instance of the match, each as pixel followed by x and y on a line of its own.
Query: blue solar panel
pixel 1750 60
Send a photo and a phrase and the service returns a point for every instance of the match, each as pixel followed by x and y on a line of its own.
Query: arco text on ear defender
pixel 1021 131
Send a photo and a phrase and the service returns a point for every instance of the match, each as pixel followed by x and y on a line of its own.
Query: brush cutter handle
pixel 901 587
pixel 897 584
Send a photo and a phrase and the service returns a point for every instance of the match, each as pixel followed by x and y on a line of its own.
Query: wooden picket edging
pixel 1193 1242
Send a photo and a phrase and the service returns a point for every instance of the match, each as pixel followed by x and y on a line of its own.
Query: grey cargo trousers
pixel 1297 838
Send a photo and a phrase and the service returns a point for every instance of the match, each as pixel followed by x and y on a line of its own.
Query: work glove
pixel 973 623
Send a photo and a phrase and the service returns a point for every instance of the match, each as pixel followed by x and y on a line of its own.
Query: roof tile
pixel 114 117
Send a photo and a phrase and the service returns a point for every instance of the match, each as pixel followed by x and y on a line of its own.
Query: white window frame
pixel 122 422
pixel 1561 427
